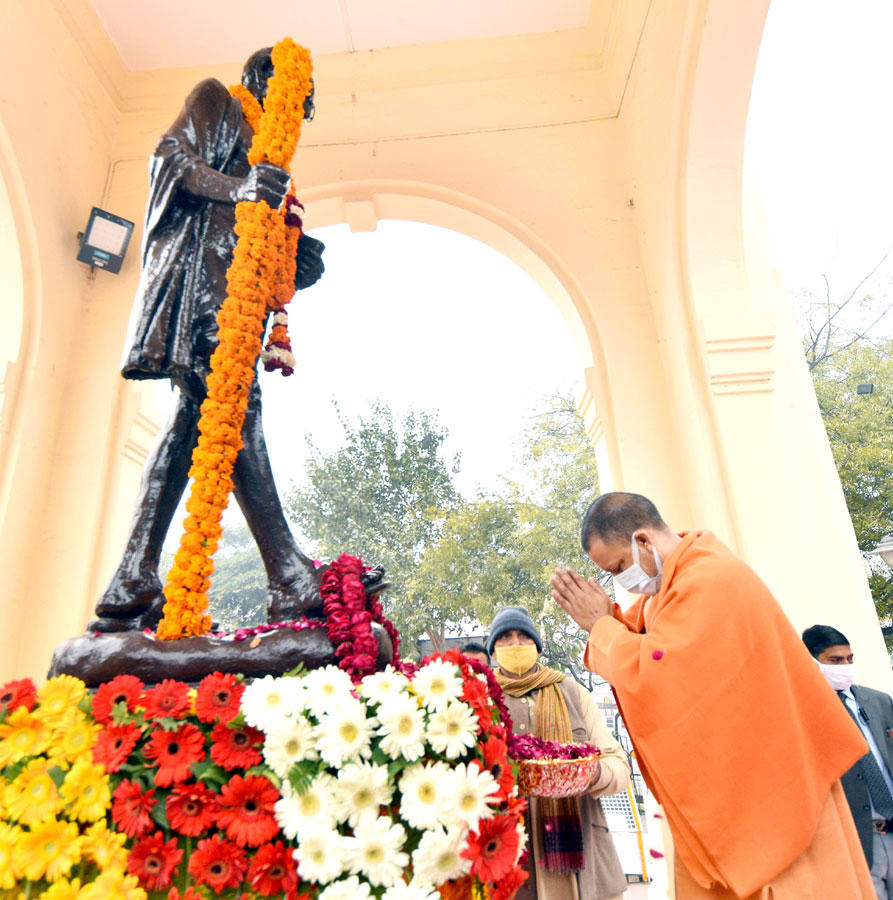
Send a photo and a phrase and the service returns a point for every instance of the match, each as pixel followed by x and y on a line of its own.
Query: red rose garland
pixel 349 617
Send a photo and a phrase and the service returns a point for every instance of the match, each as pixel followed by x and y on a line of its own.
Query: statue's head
pixel 258 71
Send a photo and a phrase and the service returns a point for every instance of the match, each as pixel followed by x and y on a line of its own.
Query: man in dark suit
pixel 869 784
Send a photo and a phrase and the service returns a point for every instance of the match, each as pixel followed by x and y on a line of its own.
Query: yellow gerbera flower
pixel 113 884
pixel 33 797
pixel 62 889
pixel 22 734
pixel 104 847
pixel 9 872
pixel 86 791
pixel 50 849
pixel 73 739
pixel 58 696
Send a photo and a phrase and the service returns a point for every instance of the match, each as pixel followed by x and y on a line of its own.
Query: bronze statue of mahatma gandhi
pixel 198 172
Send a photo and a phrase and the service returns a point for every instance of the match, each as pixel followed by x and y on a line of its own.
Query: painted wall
pixel 606 161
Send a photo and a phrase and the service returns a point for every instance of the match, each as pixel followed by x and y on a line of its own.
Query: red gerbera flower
pixel 113 745
pixel 496 760
pixel 273 870
pixel 235 748
pixel 154 862
pixel 126 688
pixel 170 698
pixel 131 808
pixel 18 693
pixel 492 848
pixel 218 863
pixel 174 752
pixel 191 808
pixel 218 697
pixel 191 894
pixel 246 810
pixel 508 886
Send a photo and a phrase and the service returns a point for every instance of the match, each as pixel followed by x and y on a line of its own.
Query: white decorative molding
pixel 739 354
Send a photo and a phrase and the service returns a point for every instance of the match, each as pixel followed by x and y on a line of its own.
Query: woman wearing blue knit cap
pixel 572 855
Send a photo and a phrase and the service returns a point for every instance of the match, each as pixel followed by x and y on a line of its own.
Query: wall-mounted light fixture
pixel 105 240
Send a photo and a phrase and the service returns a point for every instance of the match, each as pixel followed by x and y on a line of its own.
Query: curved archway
pixel 20 313
pixel 361 204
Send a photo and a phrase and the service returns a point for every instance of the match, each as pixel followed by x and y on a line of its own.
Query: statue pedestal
pixel 96 658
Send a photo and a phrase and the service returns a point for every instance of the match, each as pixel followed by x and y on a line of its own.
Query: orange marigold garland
pixel 260 279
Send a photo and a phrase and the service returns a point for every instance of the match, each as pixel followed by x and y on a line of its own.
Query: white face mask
pixel 635 579
pixel 839 677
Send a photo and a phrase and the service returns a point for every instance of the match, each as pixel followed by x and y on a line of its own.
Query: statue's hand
pixel 265 182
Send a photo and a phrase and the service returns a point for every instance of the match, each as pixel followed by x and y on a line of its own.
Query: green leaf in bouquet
pixel 209 772
pixel 300 775
pixel 168 723
pixel 159 816
pixel 85 704
pixel 396 766
pixel 237 721
pixel 13 770
pixel 298 670
pixel 57 775
pixel 264 771
pixel 121 715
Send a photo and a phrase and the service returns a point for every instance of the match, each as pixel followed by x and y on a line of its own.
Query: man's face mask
pixel 518 658
pixel 635 579
pixel 840 677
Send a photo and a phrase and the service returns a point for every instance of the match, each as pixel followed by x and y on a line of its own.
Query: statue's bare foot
pixel 127 602
pixel 299 596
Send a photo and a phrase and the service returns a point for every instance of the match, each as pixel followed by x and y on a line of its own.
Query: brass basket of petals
pixel 571 771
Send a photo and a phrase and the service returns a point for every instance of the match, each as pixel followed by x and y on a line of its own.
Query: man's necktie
pixel 881 799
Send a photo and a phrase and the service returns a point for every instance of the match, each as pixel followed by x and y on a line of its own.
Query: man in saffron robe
pixel 198 172
pixel 735 730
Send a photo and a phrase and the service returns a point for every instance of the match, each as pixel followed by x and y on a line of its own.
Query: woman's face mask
pixel 517 658
pixel 635 579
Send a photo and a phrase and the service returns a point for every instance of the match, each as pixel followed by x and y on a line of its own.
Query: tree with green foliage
pixel 381 495
pixel 501 549
pixel 860 431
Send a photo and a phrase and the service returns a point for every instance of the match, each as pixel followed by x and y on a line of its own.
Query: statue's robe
pixel 736 732
pixel 188 241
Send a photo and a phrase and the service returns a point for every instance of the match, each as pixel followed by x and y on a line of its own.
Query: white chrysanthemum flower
pixel 415 890
pixel 345 733
pixel 347 889
pixel 422 802
pixel 310 812
pixel 320 856
pixel 268 700
pixel 437 683
pixel 468 791
pixel 326 688
pixel 437 858
pixel 402 728
pixel 360 789
pixel 290 742
pixel 453 730
pixel 376 851
pixel 381 686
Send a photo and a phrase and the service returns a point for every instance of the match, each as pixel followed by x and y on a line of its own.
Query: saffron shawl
pixel 736 731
